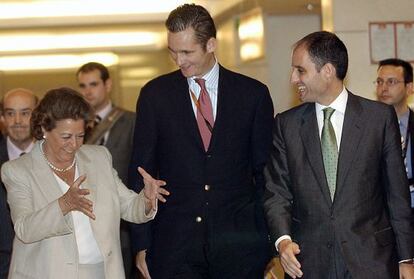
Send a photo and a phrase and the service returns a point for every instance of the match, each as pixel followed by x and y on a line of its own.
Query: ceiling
pixel 38 36
pixel 43 13
pixel 15 14
pixel 45 27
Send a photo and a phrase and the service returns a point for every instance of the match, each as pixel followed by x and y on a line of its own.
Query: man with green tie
pixel 336 197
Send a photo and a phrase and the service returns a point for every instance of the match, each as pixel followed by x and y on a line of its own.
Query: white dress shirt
pixel 88 249
pixel 337 118
pixel 14 152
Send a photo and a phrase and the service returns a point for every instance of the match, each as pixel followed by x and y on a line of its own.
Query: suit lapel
pixel 224 99
pixel 311 143
pixel 351 136
pixel 44 176
pixel 85 167
pixel 183 104
pixel 4 155
pixel 411 133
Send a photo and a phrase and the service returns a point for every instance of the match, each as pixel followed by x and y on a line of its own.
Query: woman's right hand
pixel 74 199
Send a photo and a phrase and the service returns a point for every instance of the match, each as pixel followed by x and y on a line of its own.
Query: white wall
pixel 281 32
pixel 350 23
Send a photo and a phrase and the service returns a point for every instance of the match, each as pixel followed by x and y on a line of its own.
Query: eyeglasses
pixel 388 82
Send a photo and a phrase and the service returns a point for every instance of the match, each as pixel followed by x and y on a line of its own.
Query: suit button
pixel 329 245
pixel 199 219
pixel 209 156
pixel 207 187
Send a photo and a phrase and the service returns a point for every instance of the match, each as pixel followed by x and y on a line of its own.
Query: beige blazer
pixel 45 244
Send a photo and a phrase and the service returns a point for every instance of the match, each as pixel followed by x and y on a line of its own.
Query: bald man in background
pixel 17 106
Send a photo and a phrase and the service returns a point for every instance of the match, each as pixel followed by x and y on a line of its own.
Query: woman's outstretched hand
pixel 153 190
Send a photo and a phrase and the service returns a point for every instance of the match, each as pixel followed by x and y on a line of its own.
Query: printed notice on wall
pixel 405 41
pixel 391 40
pixel 382 41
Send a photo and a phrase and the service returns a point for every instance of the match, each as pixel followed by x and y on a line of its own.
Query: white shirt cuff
pixel 408 261
pixel 283 237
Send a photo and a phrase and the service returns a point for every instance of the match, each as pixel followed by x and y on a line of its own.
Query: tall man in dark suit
pixel 115 129
pixel 337 198
pixel 17 107
pixel 394 85
pixel 206 131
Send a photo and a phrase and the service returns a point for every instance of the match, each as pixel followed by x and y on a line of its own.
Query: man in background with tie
pixel 16 109
pixel 337 199
pixel 394 84
pixel 114 128
pixel 206 131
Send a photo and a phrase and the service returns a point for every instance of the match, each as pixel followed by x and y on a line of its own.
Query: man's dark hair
pixel 325 47
pixel 407 68
pixel 194 16
pixel 92 66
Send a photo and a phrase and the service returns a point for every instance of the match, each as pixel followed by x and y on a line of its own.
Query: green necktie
pixel 329 150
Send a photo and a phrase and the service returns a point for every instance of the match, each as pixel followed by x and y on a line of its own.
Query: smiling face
pixel 17 110
pixel 63 141
pixel 189 55
pixel 312 85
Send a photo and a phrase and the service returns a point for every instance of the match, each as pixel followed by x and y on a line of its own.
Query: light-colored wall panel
pixel 281 33
pixel 351 24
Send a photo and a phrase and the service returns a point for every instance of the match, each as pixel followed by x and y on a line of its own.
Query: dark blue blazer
pixel 411 133
pixel 6 227
pixel 167 143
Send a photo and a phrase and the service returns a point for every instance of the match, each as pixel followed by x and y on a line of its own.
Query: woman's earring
pixel 44 137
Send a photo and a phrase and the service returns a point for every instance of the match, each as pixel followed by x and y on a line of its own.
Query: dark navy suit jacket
pixel 6 228
pixel 167 144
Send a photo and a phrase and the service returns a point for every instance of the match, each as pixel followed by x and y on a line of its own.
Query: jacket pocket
pixel 385 236
pixel 18 274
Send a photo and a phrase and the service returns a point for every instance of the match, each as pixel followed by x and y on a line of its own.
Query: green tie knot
pixel 327 113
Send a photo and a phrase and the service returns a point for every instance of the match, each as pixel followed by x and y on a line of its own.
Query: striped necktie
pixel 205 119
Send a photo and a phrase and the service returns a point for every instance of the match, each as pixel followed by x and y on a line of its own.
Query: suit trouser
pixel 337 267
pixel 204 260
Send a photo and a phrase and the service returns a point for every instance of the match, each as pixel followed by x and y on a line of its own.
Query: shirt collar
pixel 211 78
pixel 105 111
pixel 14 152
pixel 339 104
pixel 403 119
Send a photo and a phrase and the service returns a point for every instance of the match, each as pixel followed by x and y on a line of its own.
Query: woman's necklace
pixel 51 165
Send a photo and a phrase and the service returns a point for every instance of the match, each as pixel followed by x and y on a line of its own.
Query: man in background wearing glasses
pixel 394 85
